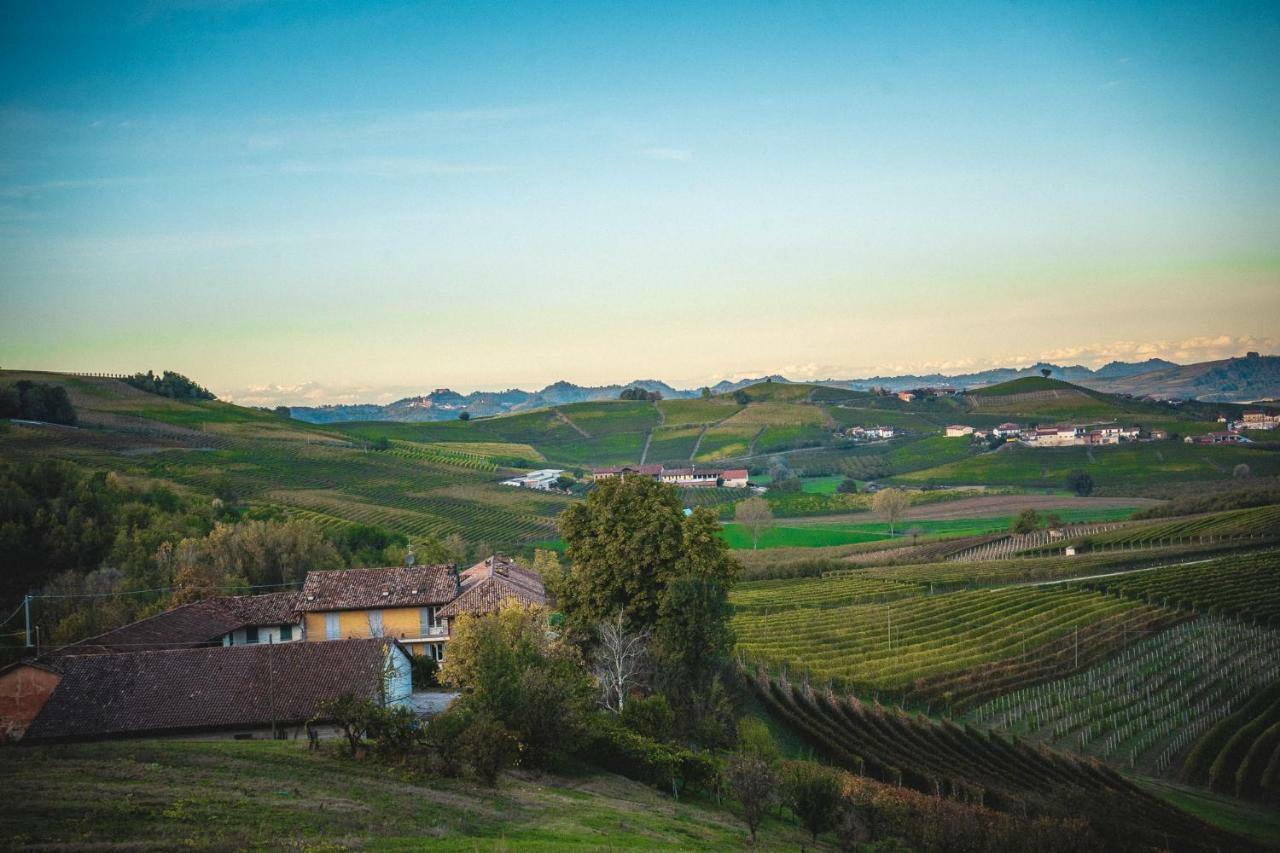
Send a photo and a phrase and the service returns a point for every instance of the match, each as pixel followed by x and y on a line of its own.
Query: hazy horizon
pixel 294 203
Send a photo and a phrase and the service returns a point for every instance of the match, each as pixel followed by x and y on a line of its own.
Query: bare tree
pixel 755 515
pixel 621 661
pixel 890 505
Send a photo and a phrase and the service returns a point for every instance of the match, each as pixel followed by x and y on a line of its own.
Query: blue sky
pixel 300 202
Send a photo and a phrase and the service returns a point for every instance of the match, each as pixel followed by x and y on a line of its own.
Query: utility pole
pixel 1077 666
pixel 26 605
pixel 889 616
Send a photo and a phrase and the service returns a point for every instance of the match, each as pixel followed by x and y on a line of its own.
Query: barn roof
pixel 396 586
pixel 219 687
pixel 194 624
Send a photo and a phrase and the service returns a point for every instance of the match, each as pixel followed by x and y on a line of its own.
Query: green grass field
pixel 819 535
pixel 229 795
pixel 1113 468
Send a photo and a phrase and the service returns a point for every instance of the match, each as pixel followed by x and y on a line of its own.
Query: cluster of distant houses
pixel 685 478
pixel 1061 435
pixel 913 394
pixel 874 433
pixel 1249 420
pixel 240 665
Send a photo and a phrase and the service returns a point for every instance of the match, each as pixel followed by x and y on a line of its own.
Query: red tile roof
pixel 187 690
pixel 196 624
pixel 396 586
pixel 490 582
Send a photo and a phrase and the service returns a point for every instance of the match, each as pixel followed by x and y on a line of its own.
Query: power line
pixel 160 589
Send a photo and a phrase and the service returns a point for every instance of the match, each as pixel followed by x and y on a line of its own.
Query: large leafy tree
pixel 624 542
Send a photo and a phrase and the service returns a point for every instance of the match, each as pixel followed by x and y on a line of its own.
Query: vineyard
pixel 951 575
pixel 947 760
pixel 1244 586
pixel 1255 523
pixel 887 647
pixel 1144 706
pixel 760 596
pixel 1241 754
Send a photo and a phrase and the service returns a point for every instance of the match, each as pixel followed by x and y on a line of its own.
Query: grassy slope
pixel 1248 819
pixel 316 472
pixel 231 795
pixel 1111 467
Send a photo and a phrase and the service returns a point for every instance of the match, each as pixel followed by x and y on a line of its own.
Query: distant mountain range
pixel 1231 380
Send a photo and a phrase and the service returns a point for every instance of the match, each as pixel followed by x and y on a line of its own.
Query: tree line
pixel 36 401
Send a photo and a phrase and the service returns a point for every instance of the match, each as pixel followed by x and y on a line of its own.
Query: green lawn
pixel 277 795
pixel 818 535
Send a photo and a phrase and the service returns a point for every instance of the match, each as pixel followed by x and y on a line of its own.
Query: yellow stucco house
pixel 401 602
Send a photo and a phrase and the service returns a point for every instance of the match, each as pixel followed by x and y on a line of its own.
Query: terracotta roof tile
pixel 195 624
pixel 184 690
pixel 492 581
pixel 397 586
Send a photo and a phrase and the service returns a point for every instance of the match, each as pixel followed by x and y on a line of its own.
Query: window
pixel 438 651
pixel 286 633
pixel 375 623
pixel 426 621
pixel 331 629
pixel 251 634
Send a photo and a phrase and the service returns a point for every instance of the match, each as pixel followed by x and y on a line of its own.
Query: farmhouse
pixel 489 583
pixel 1218 438
pixel 412 604
pixel 1258 420
pixel 684 478
pixel 599 474
pixel 544 480
pixel 233 690
pixel 959 430
pixel 400 602
pixel 906 396
pixel 1009 430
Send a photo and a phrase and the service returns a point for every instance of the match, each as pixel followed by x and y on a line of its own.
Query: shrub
pixel 651 717
pixel 425 671
pixel 489 747
pixel 848 486
pixel 814 793
pixel 444 737
pixel 1080 482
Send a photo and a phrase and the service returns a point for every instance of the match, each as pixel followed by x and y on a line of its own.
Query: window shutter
pixel 331 626
pixel 286 633
pixel 375 623
pixel 251 634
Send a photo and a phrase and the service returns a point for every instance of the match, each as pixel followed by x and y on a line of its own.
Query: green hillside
pixel 229 795
pixel 317 473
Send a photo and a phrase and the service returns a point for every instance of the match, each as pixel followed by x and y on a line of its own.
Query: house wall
pixel 399 678
pixel 23 692
pixel 398 622
pixel 266 634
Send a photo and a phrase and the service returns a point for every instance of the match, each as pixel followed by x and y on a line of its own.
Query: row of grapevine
pixel 1008 546
pixel 439 455
pixel 1242 586
pixel 1255 522
pixel 946 760
pixel 1145 705
pixel 830 591
pixel 948 575
pixel 1241 754
pixel 886 647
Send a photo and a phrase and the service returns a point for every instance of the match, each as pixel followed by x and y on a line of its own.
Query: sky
pixel 302 203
